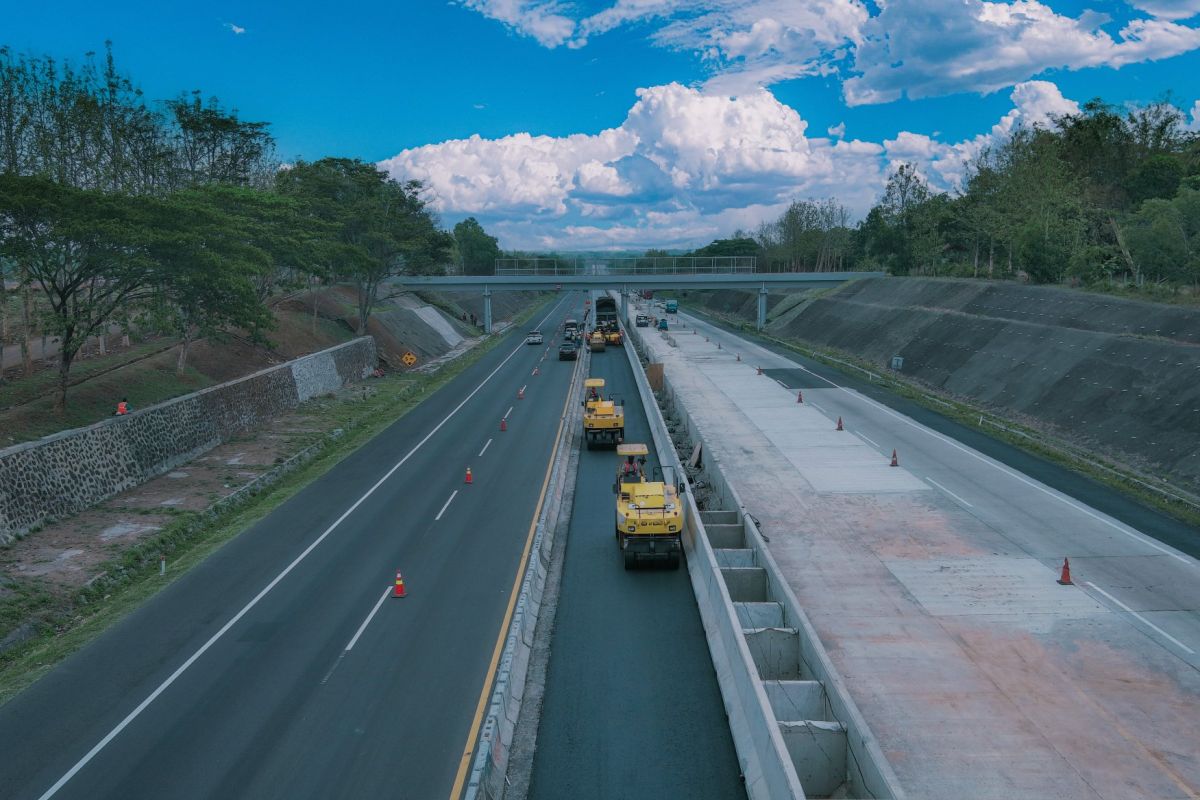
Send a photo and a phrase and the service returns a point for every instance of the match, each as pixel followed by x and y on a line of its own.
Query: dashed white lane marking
pixel 506 413
pixel 485 447
pixel 367 621
pixel 867 439
pixel 952 494
pixel 1143 620
pixel 781 383
pixel 204 648
pixel 449 500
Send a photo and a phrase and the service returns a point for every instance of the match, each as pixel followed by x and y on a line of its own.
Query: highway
pixel 631 708
pixel 279 667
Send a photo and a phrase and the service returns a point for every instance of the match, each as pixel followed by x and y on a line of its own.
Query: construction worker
pixel 123 407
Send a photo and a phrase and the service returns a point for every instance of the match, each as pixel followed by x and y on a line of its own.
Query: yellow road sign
pixel 409 358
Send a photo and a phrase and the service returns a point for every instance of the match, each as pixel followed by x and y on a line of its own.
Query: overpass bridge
pixel 599 277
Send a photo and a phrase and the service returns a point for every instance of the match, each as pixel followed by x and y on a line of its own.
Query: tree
pixel 477 251
pixel 219 242
pixel 384 227
pixel 212 145
pixel 88 251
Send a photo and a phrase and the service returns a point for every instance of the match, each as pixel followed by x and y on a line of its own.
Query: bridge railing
pixel 644 265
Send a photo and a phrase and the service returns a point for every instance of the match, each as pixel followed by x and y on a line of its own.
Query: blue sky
pixel 733 120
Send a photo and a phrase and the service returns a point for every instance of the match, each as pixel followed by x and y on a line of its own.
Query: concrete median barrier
pixel 489 767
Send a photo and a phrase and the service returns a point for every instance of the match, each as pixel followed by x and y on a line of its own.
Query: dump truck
pixel 603 418
pixel 597 341
pixel 606 311
pixel 672 307
pixel 649 514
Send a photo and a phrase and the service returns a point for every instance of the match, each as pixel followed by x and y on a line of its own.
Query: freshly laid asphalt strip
pixel 277 706
pixel 632 708
pixel 1150 521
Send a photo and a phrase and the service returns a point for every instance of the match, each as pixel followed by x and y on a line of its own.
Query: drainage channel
pixel 631 706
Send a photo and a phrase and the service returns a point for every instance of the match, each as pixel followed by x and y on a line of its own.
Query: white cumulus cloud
pixel 238 30
pixel 924 48
pixel 882 51
pixel 543 20
pixel 683 168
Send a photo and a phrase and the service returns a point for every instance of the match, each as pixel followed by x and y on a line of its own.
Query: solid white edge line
pixel 1139 537
pixel 174 676
pixel 947 491
pixel 367 621
pixel 867 439
pixel 485 447
pixel 1143 620
pixel 449 500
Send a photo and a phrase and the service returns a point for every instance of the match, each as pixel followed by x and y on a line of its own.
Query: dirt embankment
pixel 1121 377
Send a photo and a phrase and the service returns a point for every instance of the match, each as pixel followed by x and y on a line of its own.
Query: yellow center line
pixel 464 763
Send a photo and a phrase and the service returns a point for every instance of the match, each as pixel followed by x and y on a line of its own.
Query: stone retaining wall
pixel 73 470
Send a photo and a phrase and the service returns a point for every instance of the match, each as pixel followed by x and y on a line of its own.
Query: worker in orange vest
pixel 123 407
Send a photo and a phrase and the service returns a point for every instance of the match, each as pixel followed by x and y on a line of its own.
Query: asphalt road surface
pixel 280 667
pixel 631 708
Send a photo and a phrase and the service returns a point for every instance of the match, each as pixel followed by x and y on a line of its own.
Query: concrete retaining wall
pixel 73 470
pixel 1121 376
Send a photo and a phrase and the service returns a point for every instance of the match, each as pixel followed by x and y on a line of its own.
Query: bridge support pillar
pixel 487 309
pixel 762 308
pixel 625 303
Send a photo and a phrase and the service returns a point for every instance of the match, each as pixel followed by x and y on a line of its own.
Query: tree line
pixel 1102 196
pixel 176 217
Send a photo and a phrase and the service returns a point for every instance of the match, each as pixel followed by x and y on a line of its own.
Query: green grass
pixel 132 578
pixel 1116 476
pixel 145 382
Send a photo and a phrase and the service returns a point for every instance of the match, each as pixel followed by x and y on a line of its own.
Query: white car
pixel 533 337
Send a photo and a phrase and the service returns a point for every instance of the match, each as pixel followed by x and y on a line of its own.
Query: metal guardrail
pixel 644 265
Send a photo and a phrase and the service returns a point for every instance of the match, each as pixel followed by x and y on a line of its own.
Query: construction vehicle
pixel 613 336
pixel 603 418
pixel 606 311
pixel 672 307
pixel 597 341
pixel 649 519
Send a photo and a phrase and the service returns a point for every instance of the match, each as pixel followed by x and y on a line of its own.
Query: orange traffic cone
pixel 1065 578
pixel 739 355
pixel 535 370
pixel 521 393
pixel 718 345
pixel 469 475
pixel 399 591
pixel 895 459
pixel 839 427
pixel 759 370
pixel 503 424
pixel 799 396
